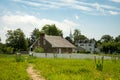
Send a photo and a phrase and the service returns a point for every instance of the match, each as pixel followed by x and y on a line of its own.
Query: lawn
pixel 58 69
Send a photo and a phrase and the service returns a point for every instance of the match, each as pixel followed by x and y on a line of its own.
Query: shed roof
pixel 58 41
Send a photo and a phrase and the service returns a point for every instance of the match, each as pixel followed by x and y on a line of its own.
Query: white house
pixel 87 45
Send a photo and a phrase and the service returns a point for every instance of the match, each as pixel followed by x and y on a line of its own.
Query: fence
pixel 73 55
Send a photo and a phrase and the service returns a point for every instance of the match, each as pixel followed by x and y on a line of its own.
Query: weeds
pixel 10 69
pixel 99 63
pixel 14 68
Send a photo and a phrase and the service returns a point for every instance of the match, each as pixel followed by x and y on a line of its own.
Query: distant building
pixel 87 45
pixel 70 35
pixel 53 44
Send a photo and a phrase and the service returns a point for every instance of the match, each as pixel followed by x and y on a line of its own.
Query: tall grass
pixel 57 69
pixel 76 69
pixel 12 70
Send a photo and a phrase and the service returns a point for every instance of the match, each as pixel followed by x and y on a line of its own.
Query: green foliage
pixel 83 52
pixel 0 39
pixel 39 50
pixel 106 38
pixel 9 50
pixel 16 39
pixel 34 36
pixel 69 39
pixel 1 48
pixel 19 58
pixel 110 45
pixel 99 64
pixel 117 39
pixel 78 36
pixel 52 30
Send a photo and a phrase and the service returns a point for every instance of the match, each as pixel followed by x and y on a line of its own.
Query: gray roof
pixel 58 41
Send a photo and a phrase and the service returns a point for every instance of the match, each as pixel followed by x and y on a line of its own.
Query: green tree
pixel 117 39
pixel 118 47
pixel 109 47
pixel 76 35
pixel 51 30
pixel 38 50
pixel 82 37
pixel 16 39
pixel 34 36
pixel 106 38
pixel 0 40
pixel 69 39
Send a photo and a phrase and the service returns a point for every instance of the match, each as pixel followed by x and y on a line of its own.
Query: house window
pixel 89 44
pixel 90 49
pixel 81 44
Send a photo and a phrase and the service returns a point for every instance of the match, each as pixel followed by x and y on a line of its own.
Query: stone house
pixel 53 44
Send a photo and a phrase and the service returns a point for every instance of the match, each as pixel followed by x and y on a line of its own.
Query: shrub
pixel 19 58
pixel 99 64
pixel 39 50
pixel 83 51
pixel 9 50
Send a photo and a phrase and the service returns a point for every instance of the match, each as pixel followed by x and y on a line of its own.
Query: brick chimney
pixel 42 35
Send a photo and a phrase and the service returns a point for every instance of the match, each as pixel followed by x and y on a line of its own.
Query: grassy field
pixel 58 69
pixel 76 69
pixel 12 70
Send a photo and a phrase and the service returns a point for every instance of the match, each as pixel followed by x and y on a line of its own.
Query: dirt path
pixel 33 73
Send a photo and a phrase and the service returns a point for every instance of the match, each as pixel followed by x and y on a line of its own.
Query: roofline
pixel 35 42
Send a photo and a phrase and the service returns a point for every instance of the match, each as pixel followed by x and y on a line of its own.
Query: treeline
pixel 16 40
pixel 108 44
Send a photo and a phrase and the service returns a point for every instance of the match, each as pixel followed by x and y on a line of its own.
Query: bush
pixel 99 64
pixel 9 50
pixel 19 58
pixel 83 51
pixel 39 50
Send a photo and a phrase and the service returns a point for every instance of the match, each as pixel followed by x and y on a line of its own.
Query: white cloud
pixel 115 0
pixel 46 4
pixel 98 7
pixel 28 22
pixel 114 13
pixel 76 17
pixel 18 19
pixel 92 8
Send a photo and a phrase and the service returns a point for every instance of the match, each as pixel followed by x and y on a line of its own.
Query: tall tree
pixel 117 39
pixel 0 40
pixel 51 30
pixel 16 39
pixel 76 35
pixel 82 37
pixel 106 38
pixel 69 39
pixel 35 34
pixel 108 47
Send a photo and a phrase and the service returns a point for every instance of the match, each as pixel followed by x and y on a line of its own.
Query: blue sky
pixel 93 18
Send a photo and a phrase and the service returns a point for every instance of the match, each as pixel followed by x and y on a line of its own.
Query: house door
pixel 59 50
